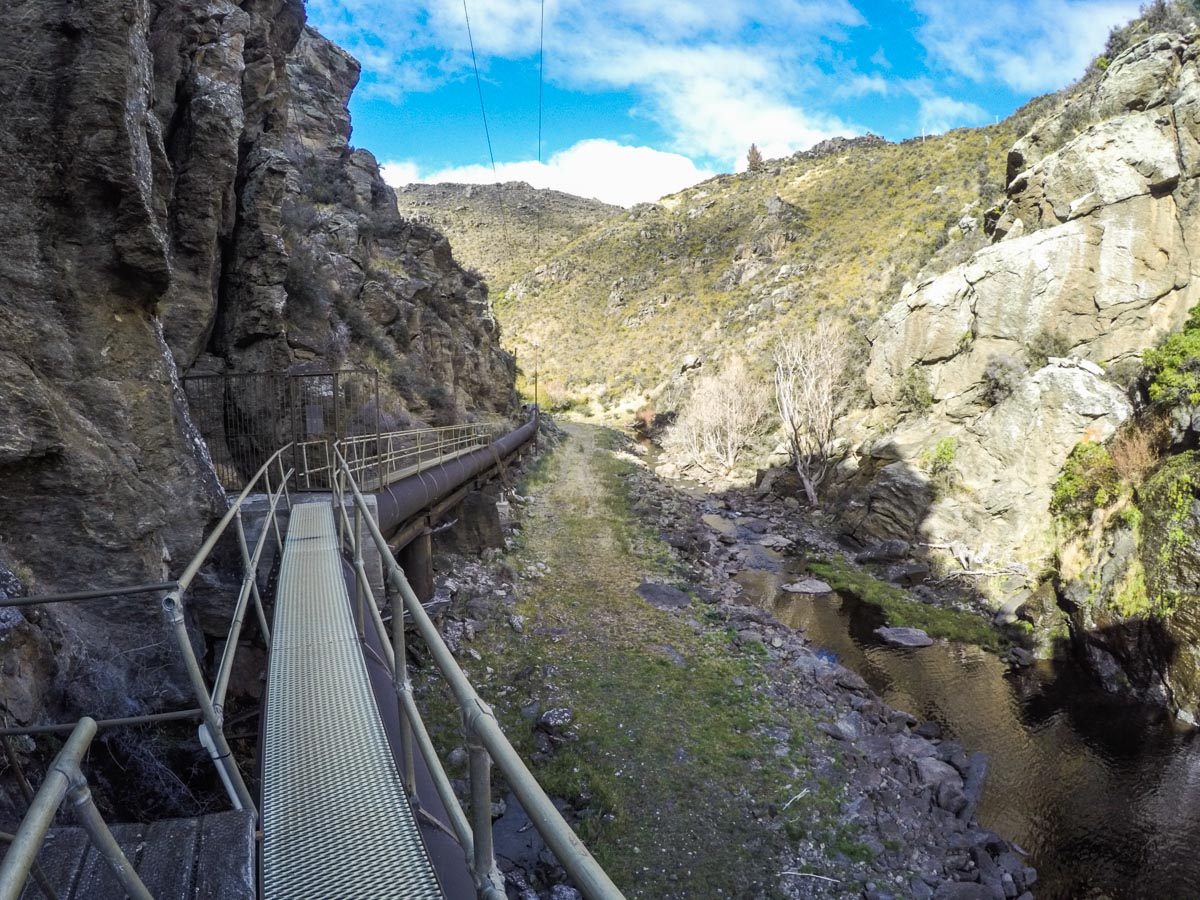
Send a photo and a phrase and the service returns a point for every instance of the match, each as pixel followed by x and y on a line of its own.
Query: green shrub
pixel 1166 502
pixel 1174 368
pixel 938 461
pixel 1001 376
pixel 1045 344
pixel 915 394
pixel 1088 481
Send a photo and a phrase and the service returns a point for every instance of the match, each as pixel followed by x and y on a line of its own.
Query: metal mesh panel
pixel 336 822
pixel 246 417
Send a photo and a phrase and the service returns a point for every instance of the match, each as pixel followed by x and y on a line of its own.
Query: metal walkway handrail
pixel 64 779
pixel 210 702
pixel 379 459
pixel 485 739
pixel 211 730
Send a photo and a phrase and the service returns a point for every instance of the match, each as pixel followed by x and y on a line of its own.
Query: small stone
pixel 663 596
pixel 553 721
pixel 774 540
pixel 1021 657
pixel 808 586
pixel 907 574
pixel 887 551
pixel 904 637
pixel 966 890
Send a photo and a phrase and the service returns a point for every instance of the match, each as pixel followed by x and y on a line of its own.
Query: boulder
pixel 663 596
pixel 905 637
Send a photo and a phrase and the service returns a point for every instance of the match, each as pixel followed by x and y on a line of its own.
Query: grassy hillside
pixel 502 230
pixel 730 264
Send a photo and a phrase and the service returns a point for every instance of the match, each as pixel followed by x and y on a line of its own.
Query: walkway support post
pixel 212 734
pixel 417 561
pixel 488 880
pixel 360 570
pixel 404 692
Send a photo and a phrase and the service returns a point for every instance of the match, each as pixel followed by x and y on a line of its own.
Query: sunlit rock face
pixel 1090 260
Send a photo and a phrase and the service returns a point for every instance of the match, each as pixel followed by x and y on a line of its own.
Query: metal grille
pixel 336 822
pixel 244 418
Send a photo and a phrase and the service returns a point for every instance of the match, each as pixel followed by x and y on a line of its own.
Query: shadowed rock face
pixel 153 149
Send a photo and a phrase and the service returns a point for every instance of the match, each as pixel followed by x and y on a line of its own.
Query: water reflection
pixel 1104 794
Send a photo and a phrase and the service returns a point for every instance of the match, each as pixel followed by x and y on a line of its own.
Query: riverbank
pixel 702 747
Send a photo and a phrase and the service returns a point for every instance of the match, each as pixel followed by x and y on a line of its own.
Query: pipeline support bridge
pixel 352 799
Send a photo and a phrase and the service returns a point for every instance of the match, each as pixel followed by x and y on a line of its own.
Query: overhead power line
pixel 541 82
pixel 504 219
pixel 479 87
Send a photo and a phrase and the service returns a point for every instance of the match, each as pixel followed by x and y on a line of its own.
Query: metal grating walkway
pixel 336 822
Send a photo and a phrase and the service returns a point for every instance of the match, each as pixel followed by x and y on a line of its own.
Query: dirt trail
pixel 665 751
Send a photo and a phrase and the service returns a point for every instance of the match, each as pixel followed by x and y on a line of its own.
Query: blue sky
pixel 644 97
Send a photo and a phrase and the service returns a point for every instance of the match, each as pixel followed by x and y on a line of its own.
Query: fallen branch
pixel 803 793
pixel 811 875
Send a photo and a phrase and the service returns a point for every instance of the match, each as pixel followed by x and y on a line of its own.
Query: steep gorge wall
pixel 1094 257
pixel 155 150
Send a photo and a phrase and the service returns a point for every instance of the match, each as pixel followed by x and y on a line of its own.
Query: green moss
pixel 900 609
pixel 1130 598
pixel 1166 502
pixel 1088 481
pixel 1174 368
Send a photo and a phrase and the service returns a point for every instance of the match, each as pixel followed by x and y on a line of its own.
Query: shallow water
pixel 1105 795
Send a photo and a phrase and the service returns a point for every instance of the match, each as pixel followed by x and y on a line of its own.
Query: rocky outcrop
pixel 179 196
pixel 361 284
pixel 502 230
pixel 1091 264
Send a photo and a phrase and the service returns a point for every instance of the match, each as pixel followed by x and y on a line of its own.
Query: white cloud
pixel 608 171
pixel 715 76
pixel 1032 47
pixel 863 86
pixel 400 173
pixel 940 114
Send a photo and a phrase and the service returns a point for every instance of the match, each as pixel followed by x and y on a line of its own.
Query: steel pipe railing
pixel 65 781
pixel 486 740
pixel 211 701
pixel 400 453
pixel 90 594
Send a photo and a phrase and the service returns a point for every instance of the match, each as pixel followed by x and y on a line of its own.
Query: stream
pixel 1104 794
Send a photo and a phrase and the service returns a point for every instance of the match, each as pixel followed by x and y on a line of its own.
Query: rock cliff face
pixel 1007 362
pixel 1023 347
pixel 181 170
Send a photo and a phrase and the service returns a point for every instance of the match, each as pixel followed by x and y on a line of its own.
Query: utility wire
pixel 487 134
pixel 479 87
pixel 541 82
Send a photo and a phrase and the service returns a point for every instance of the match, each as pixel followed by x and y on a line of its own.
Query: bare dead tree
pixel 724 414
pixel 811 395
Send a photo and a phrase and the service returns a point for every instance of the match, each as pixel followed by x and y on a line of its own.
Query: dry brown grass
pixel 1136 449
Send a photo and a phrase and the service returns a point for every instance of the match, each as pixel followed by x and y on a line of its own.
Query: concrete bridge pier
pixel 416 559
